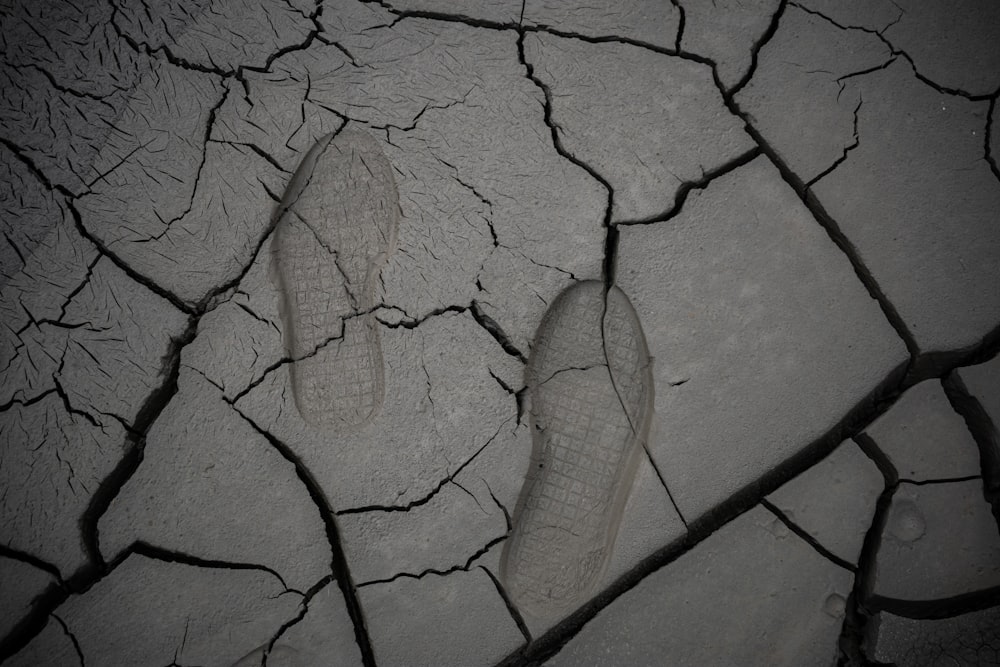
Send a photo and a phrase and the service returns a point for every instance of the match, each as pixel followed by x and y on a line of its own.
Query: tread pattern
pixel 586 447
pixel 338 229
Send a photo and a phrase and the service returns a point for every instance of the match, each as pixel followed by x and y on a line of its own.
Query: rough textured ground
pixel 798 197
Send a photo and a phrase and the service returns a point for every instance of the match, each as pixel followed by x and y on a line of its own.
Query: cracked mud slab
pixel 939 541
pixel 151 612
pixel 673 129
pixel 185 213
pixel 924 438
pixel 969 639
pixel 752 592
pixel 915 199
pixel 799 97
pixel 749 367
pixel 54 462
pixel 79 362
pixel 927 233
pixel 834 501
pixel 211 486
pixel 439 620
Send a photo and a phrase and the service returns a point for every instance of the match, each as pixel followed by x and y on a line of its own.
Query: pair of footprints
pixel 589 378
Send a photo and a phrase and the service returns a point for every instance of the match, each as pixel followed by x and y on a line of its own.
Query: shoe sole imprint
pixel 339 224
pixel 591 388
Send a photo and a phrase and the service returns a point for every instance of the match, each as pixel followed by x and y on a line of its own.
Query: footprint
pixel 338 226
pixel 591 390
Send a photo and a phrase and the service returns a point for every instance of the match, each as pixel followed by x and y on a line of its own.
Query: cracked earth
pixel 798 198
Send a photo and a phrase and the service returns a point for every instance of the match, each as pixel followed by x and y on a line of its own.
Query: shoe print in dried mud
pixel 591 390
pixel 339 224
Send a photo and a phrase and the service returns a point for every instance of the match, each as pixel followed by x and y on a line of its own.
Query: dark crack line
pixel 755 50
pixel 75 411
pixel 339 565
pixel 568 369
pixel 440 573
pixel 512 609
pixel 209 125
pixel 79 288
pixel 686 187
pixel 284 361
pixel 832 229
pixel 681 24
pixel 45 605
pixel 302 613
pixel 149 284
pixel 33 561
pixel 843 156
pixel 611 234
pixel 991 114
pixel 985 433
pixel 880 34
pixel 806 537
pixel 72 639
pixel 239 73
pixel 939 608
pixel 147 550
pixel 423 500
pixel 64 89
pixel 496 331
pixel 858 608
pixel 135 447
pixel 811 201
pixel 864 72
pixel 260 152
pixel 621 401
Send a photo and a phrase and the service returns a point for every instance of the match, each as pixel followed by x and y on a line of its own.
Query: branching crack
pixel 303 611
pixel 440 573
pixel 495 330
pixel 72 639
pixel 423 500
pixel 847 149
pixel 686 187
pixel 880 34
pixel 338 564
pixel 806 537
